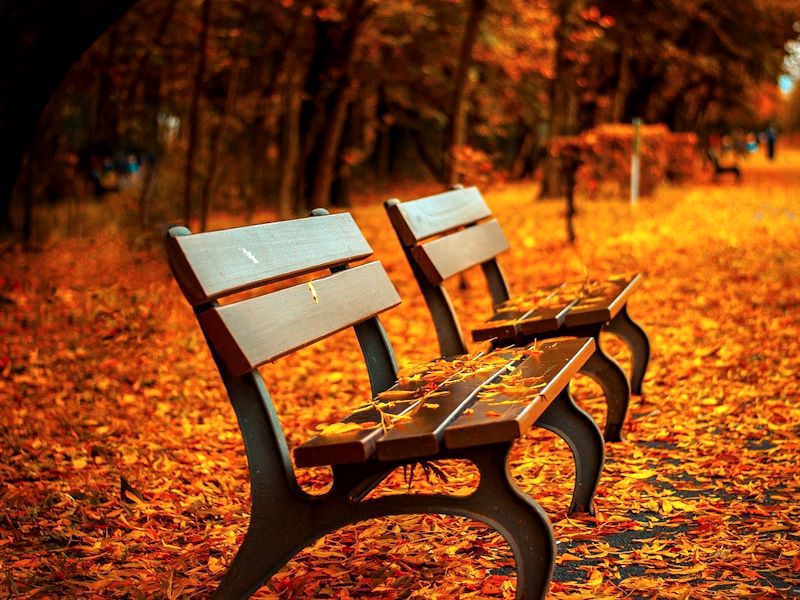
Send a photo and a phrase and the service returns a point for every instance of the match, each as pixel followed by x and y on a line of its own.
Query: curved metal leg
pixel 262 553
pixel 607 372
pixel 630 332
pixel 498 503
pixel 274 537
pixel 564 418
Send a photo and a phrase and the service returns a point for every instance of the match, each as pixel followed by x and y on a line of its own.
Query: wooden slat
pixel 422 435
pixel 426 217
pixel 604 308
pixel 449 255
pixel 508 324
pixel 214 264
pixel 355 445
pixel 254 331
pixel 545 319
pixel 501 418
pixel 503 326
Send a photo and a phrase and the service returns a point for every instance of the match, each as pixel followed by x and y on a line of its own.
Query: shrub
pixel 605 154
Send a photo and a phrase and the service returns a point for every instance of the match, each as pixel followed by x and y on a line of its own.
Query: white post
pixel 636 159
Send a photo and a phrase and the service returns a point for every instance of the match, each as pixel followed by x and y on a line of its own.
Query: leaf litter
pixel 123 476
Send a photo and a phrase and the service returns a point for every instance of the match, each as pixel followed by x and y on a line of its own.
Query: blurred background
pixel 183 109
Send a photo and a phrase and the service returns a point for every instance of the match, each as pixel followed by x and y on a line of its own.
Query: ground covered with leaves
pixel 123 476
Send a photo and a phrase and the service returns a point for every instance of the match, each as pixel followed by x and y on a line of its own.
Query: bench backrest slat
pixel 449 255
pixel 215 264
pixel 433 215
pixel 257 330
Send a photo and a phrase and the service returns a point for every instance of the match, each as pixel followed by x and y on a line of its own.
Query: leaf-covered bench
pixel 446 234
pixel 471 408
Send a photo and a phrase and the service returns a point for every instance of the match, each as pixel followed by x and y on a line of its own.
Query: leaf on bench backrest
pixel 256 330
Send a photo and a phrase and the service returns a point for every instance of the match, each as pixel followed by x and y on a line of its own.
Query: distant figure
pixel 770 135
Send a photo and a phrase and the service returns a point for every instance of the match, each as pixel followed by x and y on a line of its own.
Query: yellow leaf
pixel 313 291
pixel 340 428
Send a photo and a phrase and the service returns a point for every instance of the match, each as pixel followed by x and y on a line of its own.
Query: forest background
pixel 243 106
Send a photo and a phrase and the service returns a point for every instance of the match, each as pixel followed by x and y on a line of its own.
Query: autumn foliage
pixel 123 475
pixel 604 154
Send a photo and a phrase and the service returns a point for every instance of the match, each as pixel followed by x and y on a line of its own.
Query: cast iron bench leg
pixel 566 419
pixel 630 332
pixel 496 502
pixel 273 539
pixel 607 372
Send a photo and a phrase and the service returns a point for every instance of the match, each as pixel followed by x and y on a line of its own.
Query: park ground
pixel 122 472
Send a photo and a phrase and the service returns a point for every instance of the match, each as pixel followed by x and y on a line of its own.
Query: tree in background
pixel 297 101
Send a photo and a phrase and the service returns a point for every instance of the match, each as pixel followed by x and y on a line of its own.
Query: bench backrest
pixel 246 333
pixel 442 236
pixel 253 331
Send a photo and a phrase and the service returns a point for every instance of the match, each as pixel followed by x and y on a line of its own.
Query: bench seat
pixel 570 304
pixel 446 234
pixel 466 407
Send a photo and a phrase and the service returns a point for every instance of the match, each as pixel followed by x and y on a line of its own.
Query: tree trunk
pixel 35 54
pixel 329 147
pixel 457 127
pixel 290 149
pixel 220 131
pixel 155 45
pixel 328 88
pixel 624 79
pixel 524 155
pixel 106 117
pixel 194 111
pixel 564 101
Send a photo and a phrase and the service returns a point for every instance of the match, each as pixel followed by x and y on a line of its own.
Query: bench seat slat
pixel 425 433
pixel 426 217
pixel 422 436
pixel 502 325
pixel 214 264
pixel 501 418
pixel 510 323
pixel 354 445
pixel 447 256
pixel 256 330
pixel 606 307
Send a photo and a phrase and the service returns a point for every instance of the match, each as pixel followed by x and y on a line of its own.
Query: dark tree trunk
pixel 220 131
pixel 106 118
pixel 39 42
pixel 194 111
pixel 329 90
pixel 564 99
pixel 457 127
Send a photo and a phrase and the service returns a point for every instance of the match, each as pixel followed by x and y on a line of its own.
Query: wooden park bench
pixel 446 234
pixel 471 418
pixel 720 169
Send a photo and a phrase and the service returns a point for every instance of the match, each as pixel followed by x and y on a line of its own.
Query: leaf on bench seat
pixel 403 422
pixel 341 427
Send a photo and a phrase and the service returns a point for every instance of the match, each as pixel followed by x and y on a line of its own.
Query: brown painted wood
pixel 356 445
pixel 433 215
pixel 214 264
pixel 449 255
pixel 584 313
pixel 492 420
pixel 251 332
pixel 508 324
pixel 503 325
pixel 422 435
pixel 543 320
